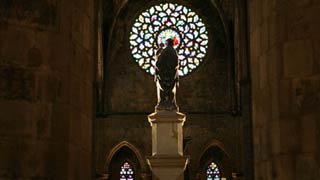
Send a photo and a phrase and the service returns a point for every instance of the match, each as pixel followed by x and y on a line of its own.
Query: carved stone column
pixel 167 161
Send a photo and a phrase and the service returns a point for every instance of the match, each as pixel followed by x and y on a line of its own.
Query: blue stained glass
pixel 213 172
pixel 190 36
pixel 150 29
pixel 196 18
pixel 164 20
pixel 196 33
pixel 157 23
pixel 135 30
pixel 141 46
pixel 139 40
pixel 147 36
pixel 185 10
pixel 137 56
pixel 126 172
pixel 202 30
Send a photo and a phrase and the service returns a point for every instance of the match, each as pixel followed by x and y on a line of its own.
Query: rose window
pixel 160 22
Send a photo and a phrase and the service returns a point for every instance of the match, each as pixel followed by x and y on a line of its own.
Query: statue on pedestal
pixel 167 77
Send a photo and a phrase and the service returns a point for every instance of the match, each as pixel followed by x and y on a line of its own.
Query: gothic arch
pixel 215 152
pixel 215 143
pixel 116 148
pixel 122 4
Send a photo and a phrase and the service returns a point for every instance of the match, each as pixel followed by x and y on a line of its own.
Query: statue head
pixel 169 42
pixel 161 45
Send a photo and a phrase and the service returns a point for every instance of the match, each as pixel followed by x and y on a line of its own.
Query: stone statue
pixel 158 52
pixel 167 78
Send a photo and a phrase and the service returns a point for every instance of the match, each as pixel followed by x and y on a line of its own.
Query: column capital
pixel 166 116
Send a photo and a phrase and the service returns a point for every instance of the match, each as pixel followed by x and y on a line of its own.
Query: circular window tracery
pixel 164 21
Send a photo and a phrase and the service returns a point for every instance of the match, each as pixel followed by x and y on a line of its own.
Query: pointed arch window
pixel 126 172
pixel 213 172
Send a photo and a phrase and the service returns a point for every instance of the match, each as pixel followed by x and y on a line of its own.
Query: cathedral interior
pixel 77 85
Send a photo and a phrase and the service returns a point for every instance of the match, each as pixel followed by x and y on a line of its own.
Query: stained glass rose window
pixel 164 21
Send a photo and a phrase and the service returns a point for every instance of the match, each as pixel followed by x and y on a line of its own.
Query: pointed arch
pixel 116 148
pixel 215 152
pixel 215 143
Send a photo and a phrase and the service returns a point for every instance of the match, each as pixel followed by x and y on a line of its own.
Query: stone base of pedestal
pixel 168 167
pixel 167 161
pixel 167 135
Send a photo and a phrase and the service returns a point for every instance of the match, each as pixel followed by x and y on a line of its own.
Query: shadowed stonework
pixel 16 83
pixel 74 103
pixel 46 77
pixel 40 13
pixel 207 95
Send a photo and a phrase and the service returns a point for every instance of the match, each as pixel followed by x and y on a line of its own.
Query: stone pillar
pixel 167 161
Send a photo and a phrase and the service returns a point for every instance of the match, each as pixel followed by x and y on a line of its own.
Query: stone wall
pixel 46 75
pixel 129 89
pixel 221 131
pixel 207 95
pixel 284 51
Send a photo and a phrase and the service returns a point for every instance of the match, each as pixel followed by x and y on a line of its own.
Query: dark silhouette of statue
pixel 159 50
pixel 167 78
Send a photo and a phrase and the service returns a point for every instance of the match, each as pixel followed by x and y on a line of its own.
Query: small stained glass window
pixel 126 172
pixel 160 22
pixel 213 172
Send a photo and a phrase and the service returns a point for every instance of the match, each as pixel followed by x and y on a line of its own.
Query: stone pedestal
pixel 167 161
